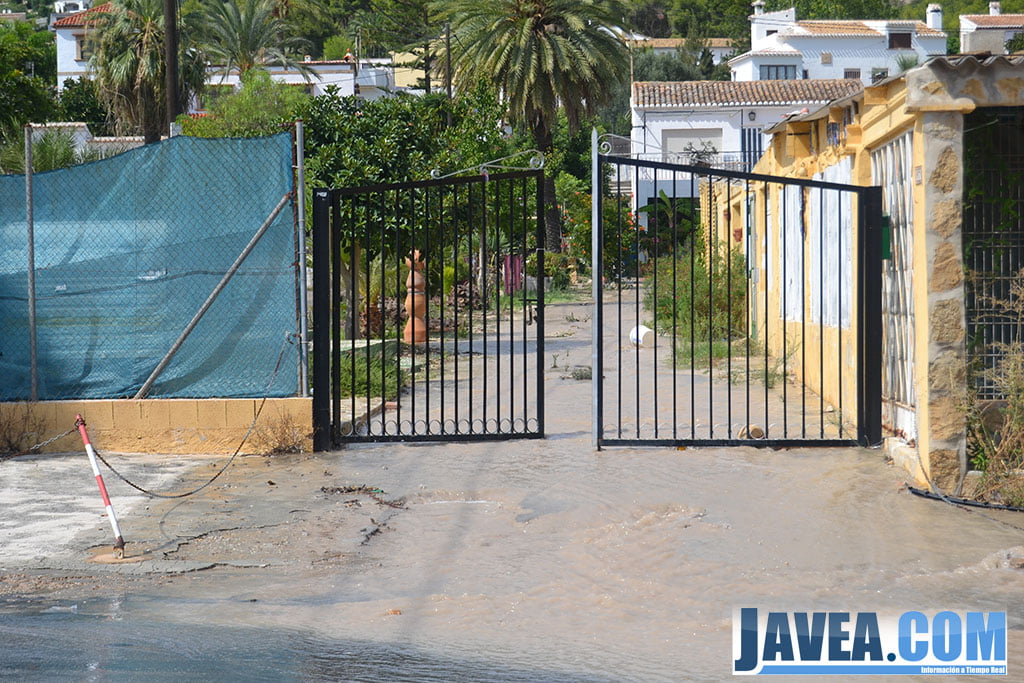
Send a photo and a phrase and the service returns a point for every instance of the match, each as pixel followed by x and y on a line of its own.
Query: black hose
pixel 963 501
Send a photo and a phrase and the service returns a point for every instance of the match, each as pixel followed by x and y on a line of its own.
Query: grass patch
pixel 703 354
pixel 372 370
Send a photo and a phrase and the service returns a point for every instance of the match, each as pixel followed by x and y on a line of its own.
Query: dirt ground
pixel 542 554
pixel 283 511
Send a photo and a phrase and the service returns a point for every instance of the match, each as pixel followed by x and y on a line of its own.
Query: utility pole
pixel 171 61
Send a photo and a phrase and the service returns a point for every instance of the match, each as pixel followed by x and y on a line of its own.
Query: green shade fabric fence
pixel 127 250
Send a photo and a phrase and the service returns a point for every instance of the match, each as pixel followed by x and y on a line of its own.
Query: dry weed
pixel 996 428
pixel 280 434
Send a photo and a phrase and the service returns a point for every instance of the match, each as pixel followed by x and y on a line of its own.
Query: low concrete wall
pixel 180 426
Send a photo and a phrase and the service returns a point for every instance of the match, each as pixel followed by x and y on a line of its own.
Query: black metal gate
pixel 465 256
pixel 736 308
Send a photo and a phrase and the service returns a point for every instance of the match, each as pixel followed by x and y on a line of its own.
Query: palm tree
pixel 128 61
pixel 544 55
pixel 245 34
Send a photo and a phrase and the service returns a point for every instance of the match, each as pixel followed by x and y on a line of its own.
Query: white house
pixel 63 8
pixel 72 48
pixel 716 122
pixel 720 48
pixel 783 48
pixel 369 80
pixel 989 32
pixel 85 141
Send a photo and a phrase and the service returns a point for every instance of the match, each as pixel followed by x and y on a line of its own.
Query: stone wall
pixel 941 93
pixel 943 171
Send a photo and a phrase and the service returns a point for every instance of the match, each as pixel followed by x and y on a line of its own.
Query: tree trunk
pixel 426 67
pixel 150 135
pixel 552 220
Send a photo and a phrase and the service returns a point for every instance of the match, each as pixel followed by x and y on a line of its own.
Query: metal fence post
pixel 300 192
pixel 31 266
pixel 321 320
pixel 869 322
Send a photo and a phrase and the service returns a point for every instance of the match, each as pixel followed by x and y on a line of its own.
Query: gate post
pixel 869 318
pixel 321 320
pixel 597 290
pixel 541 247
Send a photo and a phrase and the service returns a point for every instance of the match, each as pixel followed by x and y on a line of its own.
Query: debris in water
pixel 371 491
pixel 752 432
pixel 61 608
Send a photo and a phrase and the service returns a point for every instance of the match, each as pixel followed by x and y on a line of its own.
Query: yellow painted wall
pixel 819 356
pixel 174 426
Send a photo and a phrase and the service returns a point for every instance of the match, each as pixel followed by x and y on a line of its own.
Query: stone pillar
pixel 945 454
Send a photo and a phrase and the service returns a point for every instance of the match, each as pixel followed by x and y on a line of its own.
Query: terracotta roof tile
pixel 836 28
pixel 83 18
pixel 655 94
pixel 922 29
pixel 819 27
pixel 996 20
pixel 677 42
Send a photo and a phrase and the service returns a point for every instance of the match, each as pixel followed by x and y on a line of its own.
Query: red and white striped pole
pixel 119 541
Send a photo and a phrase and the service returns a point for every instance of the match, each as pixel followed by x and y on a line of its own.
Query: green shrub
pixel 556 267
pixel 371 371
pixel 455 270
pixel 261 107
pixel 708 302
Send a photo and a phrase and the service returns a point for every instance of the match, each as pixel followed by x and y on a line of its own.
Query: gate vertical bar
pixel 335 333
pixel 821 310
pixel 484 257
pixel 596 275
pixel 869 328
pixel 498 286
pixel 321 321
pixel 541 234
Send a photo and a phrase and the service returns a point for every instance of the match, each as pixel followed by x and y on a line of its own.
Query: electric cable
pixel 284 347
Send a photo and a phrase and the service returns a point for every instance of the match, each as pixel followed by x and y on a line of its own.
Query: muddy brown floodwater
pixel 517 560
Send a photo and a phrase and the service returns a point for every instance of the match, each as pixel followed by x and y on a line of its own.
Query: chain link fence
pixel 105 266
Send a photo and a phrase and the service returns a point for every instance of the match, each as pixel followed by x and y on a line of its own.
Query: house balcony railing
pixel 732 161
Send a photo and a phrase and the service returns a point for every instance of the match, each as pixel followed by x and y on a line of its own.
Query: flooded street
pixel 517 560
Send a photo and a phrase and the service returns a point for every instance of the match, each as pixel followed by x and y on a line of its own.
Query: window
pixel 778 72
pixel 851 73
pixel 899 41
pixel 751 147
pixel 692 145
pixel 83 50
pixel 878 74
pixel 834 133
